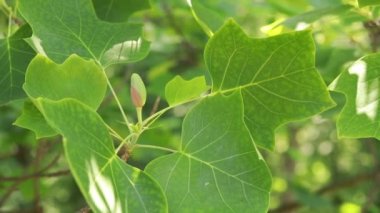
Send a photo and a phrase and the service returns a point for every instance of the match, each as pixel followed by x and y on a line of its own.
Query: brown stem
pixel 36 182
pixel 373 29
pixel 84 210
pixel 155 105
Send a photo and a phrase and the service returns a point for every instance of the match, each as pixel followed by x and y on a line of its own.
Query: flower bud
pixel 138 91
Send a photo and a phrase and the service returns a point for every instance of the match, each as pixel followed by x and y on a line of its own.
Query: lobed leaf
pixel 76 78
pixel 360 84
pixel 107 182
pixel 71 26
pixel 179 90
pixel 218 168
pixel 15 55
pixel 276 75
pixel 32 119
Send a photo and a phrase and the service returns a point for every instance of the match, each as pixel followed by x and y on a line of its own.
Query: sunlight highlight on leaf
pixel 102 191
pixel 366 97
pixel 108 183
pixel 360 84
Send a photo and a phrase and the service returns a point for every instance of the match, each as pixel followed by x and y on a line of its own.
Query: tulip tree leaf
pixel 179 90
pixel 15 55
pixel 71 26
pixel 32 119
pixel 277 77
pixel 218 168
pixel 76 78
pixel 107 182
pixel 118 10
pixel 360 84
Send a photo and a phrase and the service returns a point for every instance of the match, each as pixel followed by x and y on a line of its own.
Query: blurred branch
pixel 84 210
pixel 155 106
pixel 44 148
pixel 7 155
pixel 373 148
pixel 373 29
pixel 333 187
pixel 19 180
pixel 40 152
pixel 36 175
pixel 190 57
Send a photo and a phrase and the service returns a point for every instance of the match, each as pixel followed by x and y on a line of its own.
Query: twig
pixel 40 152
pixel 36 175
pixel 7 155
pixel 9 192
pixel 19 180
pixel 373 29
pixel 84 210
pixel 155 106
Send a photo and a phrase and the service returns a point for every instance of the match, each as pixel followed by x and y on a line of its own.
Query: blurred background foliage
pixel 313 170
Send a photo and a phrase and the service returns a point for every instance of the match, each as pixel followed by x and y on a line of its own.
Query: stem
pixel 114 133
pixel 119 105
pixel 203 25
pixel 151 119
pixel 155 147
pixel 123 142
pixel 139 115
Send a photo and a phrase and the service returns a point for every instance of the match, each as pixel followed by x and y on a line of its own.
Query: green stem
pixel 114 133
pixel 119 105
pixel 155 147
pixel 151 119
pixel 124 142
pixel 139 116
pixel 203 25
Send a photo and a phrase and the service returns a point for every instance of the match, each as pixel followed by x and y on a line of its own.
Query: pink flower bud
pixel 138 91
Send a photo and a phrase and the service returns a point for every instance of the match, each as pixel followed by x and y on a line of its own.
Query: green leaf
pixel 277 77
pixel 15 55
pixel 118 10
pixel 76 78
pixel 364 3
pixel 179 90
pixel 218 168
pixel 32 119
pixel 71 26
pixel 107 183
pixel 360 84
